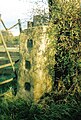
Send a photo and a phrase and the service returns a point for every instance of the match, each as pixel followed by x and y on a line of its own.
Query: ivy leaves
pixel 65 27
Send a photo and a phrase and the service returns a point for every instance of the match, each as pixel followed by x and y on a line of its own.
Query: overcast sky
pixel 12 10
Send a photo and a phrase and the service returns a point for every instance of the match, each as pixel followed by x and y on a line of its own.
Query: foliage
pixel 13 41
pixel 7 35
pixel 19 109
pixel 9 38
pixel 64 31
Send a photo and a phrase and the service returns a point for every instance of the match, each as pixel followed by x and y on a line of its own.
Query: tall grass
pixel 48 110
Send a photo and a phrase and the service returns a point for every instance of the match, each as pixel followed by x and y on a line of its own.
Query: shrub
pixel 64 33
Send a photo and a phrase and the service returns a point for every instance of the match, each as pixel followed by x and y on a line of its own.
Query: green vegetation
pixel 65 43
pixel 9 38
pixel 64 65
pixel 49 110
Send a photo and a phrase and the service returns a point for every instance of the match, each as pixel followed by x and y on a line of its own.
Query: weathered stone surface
pixel 38 77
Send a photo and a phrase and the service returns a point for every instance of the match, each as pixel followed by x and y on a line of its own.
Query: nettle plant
pixel 65 31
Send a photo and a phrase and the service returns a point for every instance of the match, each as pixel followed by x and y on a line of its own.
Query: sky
pixel 12 10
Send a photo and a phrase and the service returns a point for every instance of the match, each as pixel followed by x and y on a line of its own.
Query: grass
pixel 20 109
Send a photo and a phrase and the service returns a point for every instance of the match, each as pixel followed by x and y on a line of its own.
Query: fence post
pixel 20 28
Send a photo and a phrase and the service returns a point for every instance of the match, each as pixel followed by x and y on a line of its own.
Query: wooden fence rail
pixel 6 81
pixel 6 65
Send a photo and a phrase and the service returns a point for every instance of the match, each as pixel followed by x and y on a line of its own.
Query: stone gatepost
pixel 34 79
